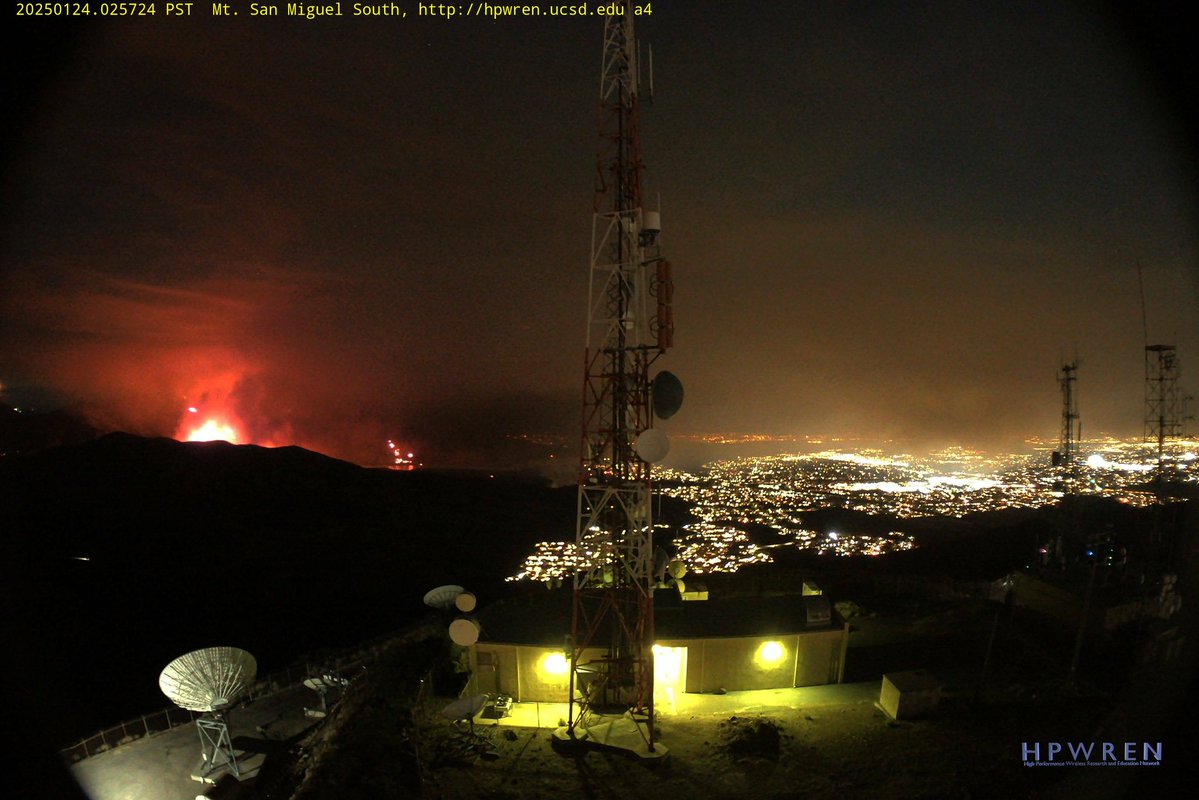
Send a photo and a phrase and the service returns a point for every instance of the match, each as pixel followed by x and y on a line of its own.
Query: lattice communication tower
pixel 629 325
pixel 1066 456
pixel 1163 405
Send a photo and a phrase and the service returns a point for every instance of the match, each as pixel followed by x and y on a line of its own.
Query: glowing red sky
pixel 886 221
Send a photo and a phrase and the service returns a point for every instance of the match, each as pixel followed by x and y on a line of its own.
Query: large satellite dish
pixel 652 446
pixel 209 679
pixel 443 596
pixel 667 394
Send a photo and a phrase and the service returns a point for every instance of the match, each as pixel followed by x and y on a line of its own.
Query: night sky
pixel 887 219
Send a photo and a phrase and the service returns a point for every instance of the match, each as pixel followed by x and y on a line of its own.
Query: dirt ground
pixel 971 747
pixel 825 752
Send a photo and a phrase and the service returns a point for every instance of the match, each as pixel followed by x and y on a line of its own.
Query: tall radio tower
pixel 1067 455
pixel 629 325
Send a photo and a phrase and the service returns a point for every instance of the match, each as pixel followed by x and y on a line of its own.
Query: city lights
pixel 771 495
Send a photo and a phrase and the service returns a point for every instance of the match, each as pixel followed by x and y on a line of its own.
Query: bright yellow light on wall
pixel 554 664
pixel 770 654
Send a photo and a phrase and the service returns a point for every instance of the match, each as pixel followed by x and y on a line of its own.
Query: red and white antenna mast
pixel 629 325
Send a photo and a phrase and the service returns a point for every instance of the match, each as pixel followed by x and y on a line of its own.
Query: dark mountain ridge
pixel 126 552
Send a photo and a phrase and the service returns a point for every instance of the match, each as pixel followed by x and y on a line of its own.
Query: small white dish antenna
pixel 443 596
pixel 465 602
pixel 208 680
pixel 464 631
pixel 652 446
pixel 322 685
pixel 464 708
pixel 677 569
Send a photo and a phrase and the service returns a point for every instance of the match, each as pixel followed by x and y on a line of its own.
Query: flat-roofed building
pixel 729 644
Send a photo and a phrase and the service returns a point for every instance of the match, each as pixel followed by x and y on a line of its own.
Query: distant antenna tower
pixel 629 325
pixel 1066 456
pixel 210 681
pixel 1163 405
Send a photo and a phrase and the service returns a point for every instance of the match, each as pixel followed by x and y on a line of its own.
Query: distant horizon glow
pixel 333 261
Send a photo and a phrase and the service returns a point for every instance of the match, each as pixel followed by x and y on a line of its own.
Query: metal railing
pixel 169 718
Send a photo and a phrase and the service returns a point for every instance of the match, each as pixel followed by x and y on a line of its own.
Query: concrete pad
pixel 158 767
pixel 765 700
pixel 548 715
pixel 623 734
pixel 529 715
pixel 248 766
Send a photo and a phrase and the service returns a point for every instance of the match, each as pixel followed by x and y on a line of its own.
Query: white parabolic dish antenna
pixel 209 679
pixel 443 596
pixel 652 445
pixel 465 708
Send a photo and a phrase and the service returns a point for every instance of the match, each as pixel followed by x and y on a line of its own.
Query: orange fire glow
pixel 213 431
pixel 235 405
pixel 210 416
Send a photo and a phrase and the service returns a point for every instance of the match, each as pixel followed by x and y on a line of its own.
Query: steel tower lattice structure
pixel 1071 432
pixel 1163 404
pixel 629 325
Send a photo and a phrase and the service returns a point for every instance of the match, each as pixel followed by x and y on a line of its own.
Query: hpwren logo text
pixel 1090 754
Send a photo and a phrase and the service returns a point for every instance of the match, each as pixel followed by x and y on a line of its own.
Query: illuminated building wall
pixel 526 673
pixel 733 644
pixel 534 673
pixel 780 661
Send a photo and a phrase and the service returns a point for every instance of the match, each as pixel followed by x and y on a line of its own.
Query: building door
pixel 488 672
pixel 670 675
